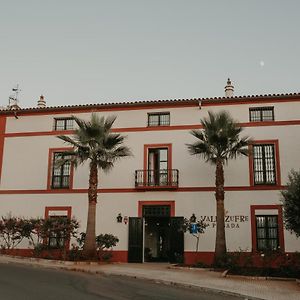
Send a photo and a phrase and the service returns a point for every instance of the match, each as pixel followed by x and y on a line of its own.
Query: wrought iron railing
pixel 167 178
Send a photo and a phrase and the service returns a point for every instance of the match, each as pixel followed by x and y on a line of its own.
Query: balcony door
pixel 158 166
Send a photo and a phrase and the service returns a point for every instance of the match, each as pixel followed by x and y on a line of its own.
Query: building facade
pixel 161 183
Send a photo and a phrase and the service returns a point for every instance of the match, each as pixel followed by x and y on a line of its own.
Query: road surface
pixel 18 282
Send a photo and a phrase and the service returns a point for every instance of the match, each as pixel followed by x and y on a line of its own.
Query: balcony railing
pixel 156 179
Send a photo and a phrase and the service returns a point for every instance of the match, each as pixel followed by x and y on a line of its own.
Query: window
pixel 158 166
pixel 156 211
pixel 264 164
pixel 57 238
pixel 63 123
pixel 267 232
pixel 60 171
pixel 159 119
pixel 259 114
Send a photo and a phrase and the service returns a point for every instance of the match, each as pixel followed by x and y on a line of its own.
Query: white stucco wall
pixel 25 167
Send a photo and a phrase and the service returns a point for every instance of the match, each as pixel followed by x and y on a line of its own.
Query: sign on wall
pixel 231 221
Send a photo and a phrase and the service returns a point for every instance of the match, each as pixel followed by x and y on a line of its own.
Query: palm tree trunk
pixel 220 246
pixel 89 248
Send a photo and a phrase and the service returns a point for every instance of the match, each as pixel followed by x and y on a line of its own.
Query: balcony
pixel 166 179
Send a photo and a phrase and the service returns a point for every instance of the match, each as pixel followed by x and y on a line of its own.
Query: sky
pixel 94 51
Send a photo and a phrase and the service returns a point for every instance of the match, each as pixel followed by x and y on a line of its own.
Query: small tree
pixel 104 244
pixel 11 231
pixel 291 203
pixel 31 229
pixel 194 227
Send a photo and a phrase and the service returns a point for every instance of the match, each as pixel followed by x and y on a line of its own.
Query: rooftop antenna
pixel 13 99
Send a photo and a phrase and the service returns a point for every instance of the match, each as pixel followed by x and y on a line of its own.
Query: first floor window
pixel 267 232
pixel 264 164
pixel 60 171
pixel 56 237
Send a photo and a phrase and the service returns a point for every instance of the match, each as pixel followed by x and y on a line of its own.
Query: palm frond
pixel 219 139
pixel 93 140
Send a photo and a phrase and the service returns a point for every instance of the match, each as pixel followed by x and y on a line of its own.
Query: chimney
pixel 229 88
pixel 41 103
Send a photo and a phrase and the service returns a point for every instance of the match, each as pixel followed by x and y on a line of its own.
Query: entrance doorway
pixel 156 237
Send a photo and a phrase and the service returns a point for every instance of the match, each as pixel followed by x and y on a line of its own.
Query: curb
pixel 226 275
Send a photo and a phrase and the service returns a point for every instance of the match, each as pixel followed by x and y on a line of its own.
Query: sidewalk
pixel 165 273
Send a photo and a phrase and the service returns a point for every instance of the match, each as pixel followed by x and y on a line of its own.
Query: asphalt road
pixel 18 282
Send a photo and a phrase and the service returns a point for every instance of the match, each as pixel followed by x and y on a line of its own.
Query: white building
pixel 157 133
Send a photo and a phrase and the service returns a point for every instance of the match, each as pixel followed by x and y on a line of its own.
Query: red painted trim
pixel 157 188
pixel 134 190
pixel 277 162
pixel 253 208
pixel 191 257
pixel 119 256
pixel 2 132
pixel 142 203
pixel 68 209
pixel 38 133
pixel 270 123
pixel 48 209
pixel 156 128
pixel 50 163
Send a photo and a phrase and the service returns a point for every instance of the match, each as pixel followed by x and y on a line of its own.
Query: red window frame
pixel 157 202
pixel 277 162
pixel 68 209
pixel 253 209
pixel 50 167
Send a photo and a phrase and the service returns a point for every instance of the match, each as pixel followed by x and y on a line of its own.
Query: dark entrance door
pixel 135 242
pixel 163 237
pixel 157 241
pixel 163 240
pixel 176 240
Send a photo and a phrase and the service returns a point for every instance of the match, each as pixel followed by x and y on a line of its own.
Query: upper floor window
pixel 260 114
pixel 60 171
pixel 267 237
pixel 63 123
pixel 159 119
pixel 264 164
pixel 158 166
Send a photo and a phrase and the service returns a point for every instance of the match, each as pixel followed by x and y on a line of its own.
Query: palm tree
pixel 93 141
pixel 219 141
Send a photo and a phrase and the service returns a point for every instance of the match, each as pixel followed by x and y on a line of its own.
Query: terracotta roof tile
pixel 156 102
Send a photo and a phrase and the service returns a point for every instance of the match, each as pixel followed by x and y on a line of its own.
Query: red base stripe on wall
pixel 191 258
pixel 117 255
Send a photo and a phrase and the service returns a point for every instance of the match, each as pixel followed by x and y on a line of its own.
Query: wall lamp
pixel 119 218
pixel 193 218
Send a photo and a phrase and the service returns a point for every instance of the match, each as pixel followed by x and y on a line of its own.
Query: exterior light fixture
pixel 193 218
pixel 119 218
